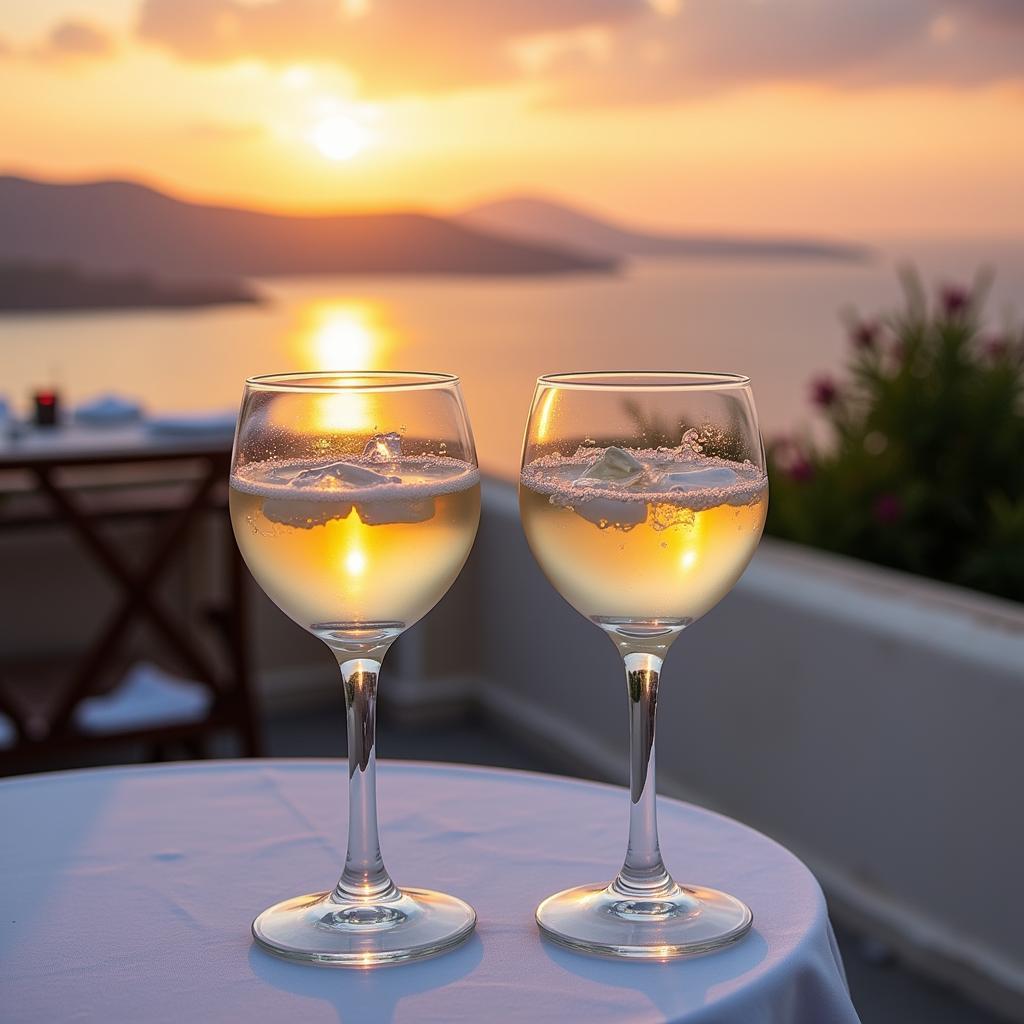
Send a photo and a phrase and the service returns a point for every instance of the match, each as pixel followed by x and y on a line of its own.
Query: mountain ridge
pixel 124 226
pixel 539 218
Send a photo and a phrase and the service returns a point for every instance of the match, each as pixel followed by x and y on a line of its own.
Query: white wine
pixel 642 541
pixel 642 536
pixel 355 548
pixel 355 543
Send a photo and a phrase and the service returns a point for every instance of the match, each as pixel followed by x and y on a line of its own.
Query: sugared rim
pixel 327 381
pixel 634 379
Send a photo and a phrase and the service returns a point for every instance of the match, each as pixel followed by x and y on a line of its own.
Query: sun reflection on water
pixel 342 334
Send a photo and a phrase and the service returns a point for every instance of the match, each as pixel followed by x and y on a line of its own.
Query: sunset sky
pixel 864 118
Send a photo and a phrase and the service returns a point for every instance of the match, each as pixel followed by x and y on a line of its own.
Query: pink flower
pixel 791 459
pixel 955 299
pixel 824 392
pixel 865 335
pixel 887 509
pixel 996 348
pixel 800 470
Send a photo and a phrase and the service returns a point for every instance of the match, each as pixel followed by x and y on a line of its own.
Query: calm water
pixel 779 324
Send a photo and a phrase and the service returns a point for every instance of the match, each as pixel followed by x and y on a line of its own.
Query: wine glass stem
pixel 643 874
pixel 365 878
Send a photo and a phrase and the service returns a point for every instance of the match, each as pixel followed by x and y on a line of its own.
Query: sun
pixel 339 137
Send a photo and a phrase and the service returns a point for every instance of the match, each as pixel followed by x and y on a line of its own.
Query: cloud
pixel 76 38
pixel 72 39
pixel 997 12
pixel 606 51
pixel 714 45
pixel 391 46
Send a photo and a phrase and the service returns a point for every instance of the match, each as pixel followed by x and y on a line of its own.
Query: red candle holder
pixel 47 407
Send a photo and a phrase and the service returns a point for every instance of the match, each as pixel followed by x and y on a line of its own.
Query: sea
pixel 781 323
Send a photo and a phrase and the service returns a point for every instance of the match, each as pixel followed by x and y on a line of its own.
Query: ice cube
pixel 304 514
pixel 605 512
pixel 383 447
pixel 409 510
pixel 705 478
pixel 615 466
pixel 341 476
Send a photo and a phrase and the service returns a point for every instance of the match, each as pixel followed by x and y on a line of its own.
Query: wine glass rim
pixel 639 379
pixel 327 381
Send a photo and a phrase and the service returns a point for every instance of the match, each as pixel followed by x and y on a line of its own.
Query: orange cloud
pixel 76 38
pixel 711 45
pixel 72 39
pixel 606 51
pixel 391 46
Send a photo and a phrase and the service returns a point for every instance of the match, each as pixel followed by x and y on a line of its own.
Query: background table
pixel 175 482
pixel 127 896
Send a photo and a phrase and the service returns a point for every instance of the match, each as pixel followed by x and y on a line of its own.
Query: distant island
pixel 539 219
pixel 119 244
pixel 31 287
pixel 122 227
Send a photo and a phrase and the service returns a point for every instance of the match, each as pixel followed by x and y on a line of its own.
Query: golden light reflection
pixel 544 414
pixel 691 541
pixel 351 551
pixel 342 334
pixel 343 412
pixel 355 562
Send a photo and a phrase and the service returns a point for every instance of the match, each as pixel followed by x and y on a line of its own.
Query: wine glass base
pixel 320 929
pixel 597 919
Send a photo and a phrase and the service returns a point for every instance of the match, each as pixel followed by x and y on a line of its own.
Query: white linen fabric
pixel 147 696
pixel 127 896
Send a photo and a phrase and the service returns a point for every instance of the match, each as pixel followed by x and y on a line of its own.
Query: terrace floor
pixel 884 991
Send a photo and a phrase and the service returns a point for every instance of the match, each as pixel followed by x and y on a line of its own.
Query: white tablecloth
pixel 127 896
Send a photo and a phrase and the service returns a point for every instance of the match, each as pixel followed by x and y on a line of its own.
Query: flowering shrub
pixel 921 466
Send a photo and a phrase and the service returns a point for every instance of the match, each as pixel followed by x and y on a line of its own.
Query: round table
pixel 126 895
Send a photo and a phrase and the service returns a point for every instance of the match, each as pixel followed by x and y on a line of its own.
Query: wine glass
pixel 355 498
pixel 643 496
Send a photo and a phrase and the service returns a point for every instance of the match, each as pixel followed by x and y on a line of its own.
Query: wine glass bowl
pixel 643 497
pixel 355 499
